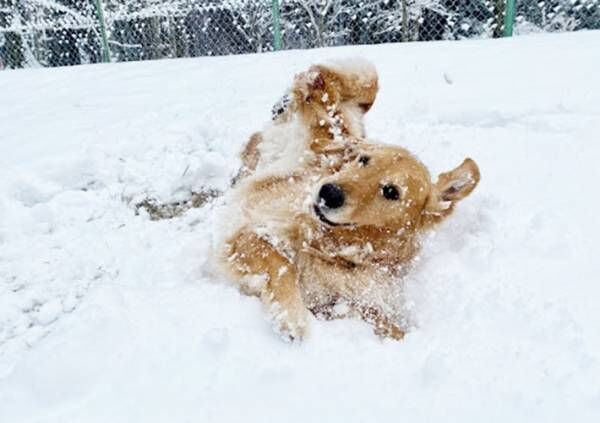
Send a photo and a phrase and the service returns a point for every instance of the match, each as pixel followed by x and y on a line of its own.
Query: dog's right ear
pixel 451 187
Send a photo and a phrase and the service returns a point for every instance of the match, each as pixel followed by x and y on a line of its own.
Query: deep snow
pixel 109 316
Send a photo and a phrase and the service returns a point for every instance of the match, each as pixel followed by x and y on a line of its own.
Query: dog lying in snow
pixel 330 221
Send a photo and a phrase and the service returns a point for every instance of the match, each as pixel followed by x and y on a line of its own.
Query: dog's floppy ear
pixel 450 188
pixel 458 183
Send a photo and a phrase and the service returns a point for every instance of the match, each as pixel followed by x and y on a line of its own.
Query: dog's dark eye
pixel 364 160
pixel 390 192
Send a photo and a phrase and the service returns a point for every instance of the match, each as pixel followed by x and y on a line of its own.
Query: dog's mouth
pixel 324 219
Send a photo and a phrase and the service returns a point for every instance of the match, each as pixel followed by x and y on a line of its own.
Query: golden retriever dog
pixel 329 222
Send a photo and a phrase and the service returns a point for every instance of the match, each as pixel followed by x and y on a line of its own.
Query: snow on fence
pixel 70 32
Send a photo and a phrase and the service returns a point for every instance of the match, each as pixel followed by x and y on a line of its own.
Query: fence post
pixel 509 18
pixel 103 36
pixel 404 20
pixel 276 26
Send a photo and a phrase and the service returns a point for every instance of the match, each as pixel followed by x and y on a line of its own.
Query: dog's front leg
pixel 255 259
pixel 284 303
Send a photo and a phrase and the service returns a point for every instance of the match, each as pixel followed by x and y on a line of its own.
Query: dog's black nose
pixel 332 195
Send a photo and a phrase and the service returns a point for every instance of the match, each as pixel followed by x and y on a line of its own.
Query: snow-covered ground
pixel 108 316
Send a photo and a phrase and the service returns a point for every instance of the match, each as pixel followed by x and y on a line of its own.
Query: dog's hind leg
pixel 332 101
pixel 382 325
pixel 272 277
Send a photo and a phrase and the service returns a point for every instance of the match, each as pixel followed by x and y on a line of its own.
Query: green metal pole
pixel 276 26
pixel 103 36
pixel 509 18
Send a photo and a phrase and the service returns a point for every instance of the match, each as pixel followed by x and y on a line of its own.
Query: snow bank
pixel 106 315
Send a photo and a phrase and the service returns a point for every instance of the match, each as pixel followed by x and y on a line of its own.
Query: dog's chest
pixel 323 282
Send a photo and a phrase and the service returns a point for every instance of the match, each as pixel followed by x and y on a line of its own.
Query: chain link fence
pixel 36 33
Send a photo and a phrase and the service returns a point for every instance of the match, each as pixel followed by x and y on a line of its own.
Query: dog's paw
pixel 310 85
pixel 282 108
pixel 389 330
pixel 291 332
pixel 291 326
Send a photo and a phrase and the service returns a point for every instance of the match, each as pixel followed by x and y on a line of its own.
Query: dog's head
pixel 386 187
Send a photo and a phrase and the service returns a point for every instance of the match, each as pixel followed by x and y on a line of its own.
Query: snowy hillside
pixel 109 316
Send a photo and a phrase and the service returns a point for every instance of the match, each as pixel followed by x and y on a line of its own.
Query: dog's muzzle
pixel 322 216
